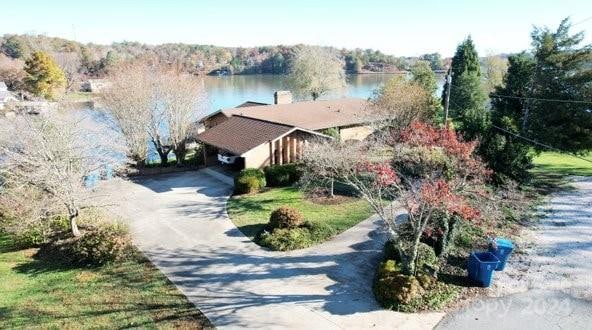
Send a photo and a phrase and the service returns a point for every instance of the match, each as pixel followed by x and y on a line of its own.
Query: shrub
pixel 36 233
pixel 248 181
pixel 282 175
pixel 283 239
pixel 426 257
pixel 95 246
pixel 392 288
pixel 319 231
pixel 285 217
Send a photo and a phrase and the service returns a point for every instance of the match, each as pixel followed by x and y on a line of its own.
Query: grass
pixel 551 169
pixel 40 294
pixel 250 213
pixel 562 164
pixel 78 97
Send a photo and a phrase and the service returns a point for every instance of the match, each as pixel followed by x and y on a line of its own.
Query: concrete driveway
pixel 180 222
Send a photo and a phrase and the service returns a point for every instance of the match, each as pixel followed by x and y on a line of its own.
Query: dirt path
pixel 550 286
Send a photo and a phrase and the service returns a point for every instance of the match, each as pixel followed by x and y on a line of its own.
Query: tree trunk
pixel 412 264
pixel 332 189
pixel 73 215
pixel 163 152
pixel 164 158
pixel 180 153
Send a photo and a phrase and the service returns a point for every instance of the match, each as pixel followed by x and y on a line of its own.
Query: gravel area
pixel 548 283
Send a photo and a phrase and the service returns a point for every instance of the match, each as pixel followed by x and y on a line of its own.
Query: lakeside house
pixel 258 134
pixel 5 95
pixel 95 85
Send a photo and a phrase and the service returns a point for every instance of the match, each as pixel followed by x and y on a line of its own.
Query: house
pixel 95 85
pixel 259 134
pixel 5 95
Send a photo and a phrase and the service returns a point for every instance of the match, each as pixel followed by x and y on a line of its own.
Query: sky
pixel 401 28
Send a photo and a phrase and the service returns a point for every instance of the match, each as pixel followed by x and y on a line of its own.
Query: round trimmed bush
pixel 249 181
pixel 285 217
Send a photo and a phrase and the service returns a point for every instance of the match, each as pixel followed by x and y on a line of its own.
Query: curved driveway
pixel 180 223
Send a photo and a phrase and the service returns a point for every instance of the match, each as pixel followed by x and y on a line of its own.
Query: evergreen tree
pixel 422 75
pixel 467 97
pixel 506 154
pixel 15 47
pixel 562 72
pixel 44 76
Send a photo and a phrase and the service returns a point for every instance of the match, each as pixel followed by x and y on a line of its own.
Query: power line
pixel 540 144
pixel 582 21
pixel 535 141
pixel 540 99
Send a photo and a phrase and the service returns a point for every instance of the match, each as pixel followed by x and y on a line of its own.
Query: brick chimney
pixel 282 97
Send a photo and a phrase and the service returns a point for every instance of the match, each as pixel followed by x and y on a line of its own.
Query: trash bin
pixel 502 249
pixel 481 267
pixel 108 172
pixel 90 181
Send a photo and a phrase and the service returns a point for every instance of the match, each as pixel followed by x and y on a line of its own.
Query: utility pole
pixel 447 103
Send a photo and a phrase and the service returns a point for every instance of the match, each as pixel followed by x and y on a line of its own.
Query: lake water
pixel 230 91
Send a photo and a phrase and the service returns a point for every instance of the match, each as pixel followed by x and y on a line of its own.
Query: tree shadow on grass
pixel 118 288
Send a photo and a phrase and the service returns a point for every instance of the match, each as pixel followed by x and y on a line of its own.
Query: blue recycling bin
pixel 90 181
pixel 481 267
pixel 502 250
pixel 108 174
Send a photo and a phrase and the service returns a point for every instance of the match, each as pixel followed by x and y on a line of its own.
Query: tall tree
pixel 52 155
pixel 422 75
pixel 12 73
pixel 435 60
pixel 562 72
pixel 398 103
pixel 70 65
pixel 315 71
pixel 149 104
pixel 467 97
pixel 494 69
pixel 44 76
pixel 16 47
pixel 505 153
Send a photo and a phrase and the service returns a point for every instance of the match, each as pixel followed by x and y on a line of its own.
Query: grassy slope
pixel 38 294
pixel 251 212
pixel 561 164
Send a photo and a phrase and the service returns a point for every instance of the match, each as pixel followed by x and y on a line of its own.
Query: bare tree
pixel 149 104
pixel 315 71
pixel 183 104
pixel 494 70
pixel 49 158
pixel 128 102
pixel 70 64
pixel 398 103
pixel 12 73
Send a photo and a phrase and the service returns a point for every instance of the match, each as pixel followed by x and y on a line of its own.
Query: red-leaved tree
pixel 424 169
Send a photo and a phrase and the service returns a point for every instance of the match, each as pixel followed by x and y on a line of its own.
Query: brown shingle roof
pixel 250 104
pixel 240 134
pixel 312 115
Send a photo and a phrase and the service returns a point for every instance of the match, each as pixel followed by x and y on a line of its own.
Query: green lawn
pixel 78 97
pixel 250 213
pixel 561 164
pixel 38 294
